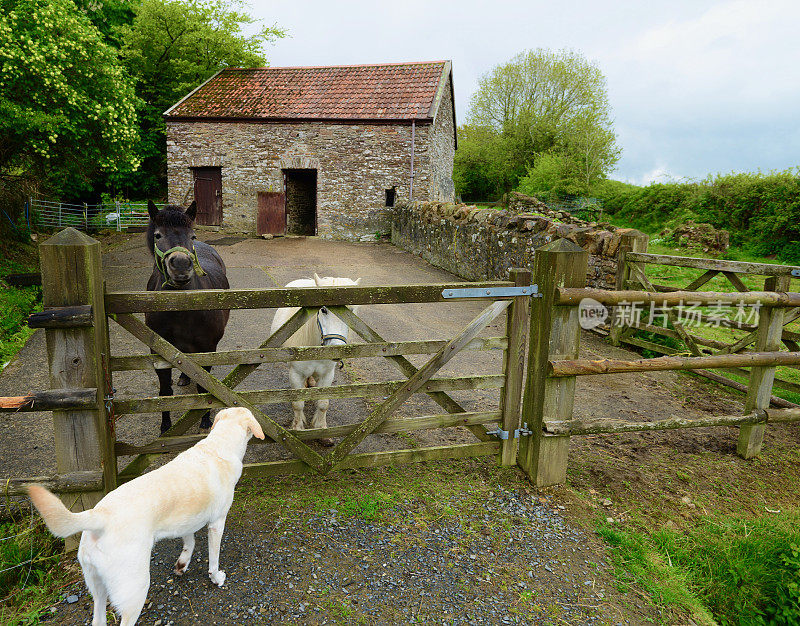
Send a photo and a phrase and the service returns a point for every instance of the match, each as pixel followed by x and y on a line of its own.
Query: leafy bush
pixel 16 305
pixel 761 211
pixel 551 174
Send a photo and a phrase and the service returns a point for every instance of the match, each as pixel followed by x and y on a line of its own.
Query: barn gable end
pixel 314 150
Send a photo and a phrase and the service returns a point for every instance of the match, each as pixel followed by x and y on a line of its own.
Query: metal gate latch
pixel 503 434
pixel 492 292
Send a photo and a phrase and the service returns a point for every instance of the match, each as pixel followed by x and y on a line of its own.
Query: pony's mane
pixel 171 216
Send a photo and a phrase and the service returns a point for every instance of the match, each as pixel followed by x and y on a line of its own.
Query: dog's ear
pixel 191 212
pixel 317 279
pixel 152 209
pixel 218 417
pixel 254 427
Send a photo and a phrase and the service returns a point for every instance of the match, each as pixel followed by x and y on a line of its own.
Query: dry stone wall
pixel 481 244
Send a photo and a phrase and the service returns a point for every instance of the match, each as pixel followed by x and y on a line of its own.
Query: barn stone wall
pixel 483 244
pixel 442 150
pixel 355 165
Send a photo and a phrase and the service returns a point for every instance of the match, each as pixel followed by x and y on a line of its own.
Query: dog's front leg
pixel 186 555
pixel 215 530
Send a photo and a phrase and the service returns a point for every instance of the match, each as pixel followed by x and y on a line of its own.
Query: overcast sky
pixel 696 86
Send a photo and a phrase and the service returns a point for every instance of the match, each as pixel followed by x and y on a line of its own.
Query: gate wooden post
pixel 84 440
pixel 517 322
pixel 759 387
pixel 630 241
pixel 555 334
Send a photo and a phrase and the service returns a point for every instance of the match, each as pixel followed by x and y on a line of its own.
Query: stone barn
pixel 322 151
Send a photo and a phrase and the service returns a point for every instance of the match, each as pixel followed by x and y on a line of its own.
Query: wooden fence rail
pixel 532 422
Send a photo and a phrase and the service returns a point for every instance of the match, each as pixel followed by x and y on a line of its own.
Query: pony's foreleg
pixel 320 419
pixel 165 389
pixel 298 381
pixel 205 422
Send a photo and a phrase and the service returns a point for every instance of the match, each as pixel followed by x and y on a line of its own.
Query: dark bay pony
pixel 181 262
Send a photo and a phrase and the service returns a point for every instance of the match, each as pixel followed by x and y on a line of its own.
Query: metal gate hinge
pixel 492 292
pixel 504 434
pixel 109 400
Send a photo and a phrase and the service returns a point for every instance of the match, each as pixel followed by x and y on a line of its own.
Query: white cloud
pixel 703 86
pixel 659 174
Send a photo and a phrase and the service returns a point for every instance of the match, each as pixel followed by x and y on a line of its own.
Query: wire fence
pixel 116 215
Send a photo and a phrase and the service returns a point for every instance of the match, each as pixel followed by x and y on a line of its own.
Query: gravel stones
pixel 326 568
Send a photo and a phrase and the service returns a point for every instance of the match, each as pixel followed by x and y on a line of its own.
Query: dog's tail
pixel 59 519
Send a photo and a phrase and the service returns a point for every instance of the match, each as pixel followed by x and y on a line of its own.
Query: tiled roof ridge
pixel 376 91
pixel 328 67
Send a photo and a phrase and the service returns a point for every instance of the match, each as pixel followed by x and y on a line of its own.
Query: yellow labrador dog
pixel 176 500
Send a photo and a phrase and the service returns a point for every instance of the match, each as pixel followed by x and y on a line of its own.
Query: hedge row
pixel 761 211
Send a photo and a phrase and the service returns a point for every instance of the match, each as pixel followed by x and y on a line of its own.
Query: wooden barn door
pixel 271 213
pixel 208 193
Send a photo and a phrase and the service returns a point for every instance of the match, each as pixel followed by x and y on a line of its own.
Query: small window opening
pixel 390 196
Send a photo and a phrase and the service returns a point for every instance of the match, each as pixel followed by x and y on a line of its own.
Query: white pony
pixel 323 329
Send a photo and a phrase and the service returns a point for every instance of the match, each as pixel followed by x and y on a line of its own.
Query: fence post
pixel 555 334
pixel 84 440
pixel 630 241
pixel 759 387
pixel 514 366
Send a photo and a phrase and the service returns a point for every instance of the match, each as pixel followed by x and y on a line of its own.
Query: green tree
pixel 545 103
pixel 67 109
pixel 483 166
pixel 171 47
pixel 551 173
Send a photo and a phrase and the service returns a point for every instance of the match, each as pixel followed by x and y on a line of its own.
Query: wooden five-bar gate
pixel 530 427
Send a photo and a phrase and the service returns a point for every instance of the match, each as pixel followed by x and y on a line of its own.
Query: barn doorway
pixel 301 201
pixel 208 194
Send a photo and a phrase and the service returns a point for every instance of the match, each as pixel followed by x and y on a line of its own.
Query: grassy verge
pixel 382 494
pixel 728 569
pixel 31 573
pixel 16 303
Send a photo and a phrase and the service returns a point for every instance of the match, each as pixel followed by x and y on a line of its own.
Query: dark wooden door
pixel 208 193
pixel 271 213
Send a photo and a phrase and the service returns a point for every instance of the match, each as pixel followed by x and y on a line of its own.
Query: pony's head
pixel 332 330
pixel 170 239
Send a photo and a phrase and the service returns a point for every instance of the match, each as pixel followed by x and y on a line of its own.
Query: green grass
pixel 30 572
pixel 16 303
pixel 376 494
pixel 727 569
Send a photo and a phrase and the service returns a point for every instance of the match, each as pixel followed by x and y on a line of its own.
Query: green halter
pixel 161 262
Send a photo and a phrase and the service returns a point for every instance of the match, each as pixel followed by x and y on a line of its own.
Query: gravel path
pixel 514 560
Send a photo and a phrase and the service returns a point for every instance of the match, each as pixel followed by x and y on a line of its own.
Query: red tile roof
pixel 400 91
